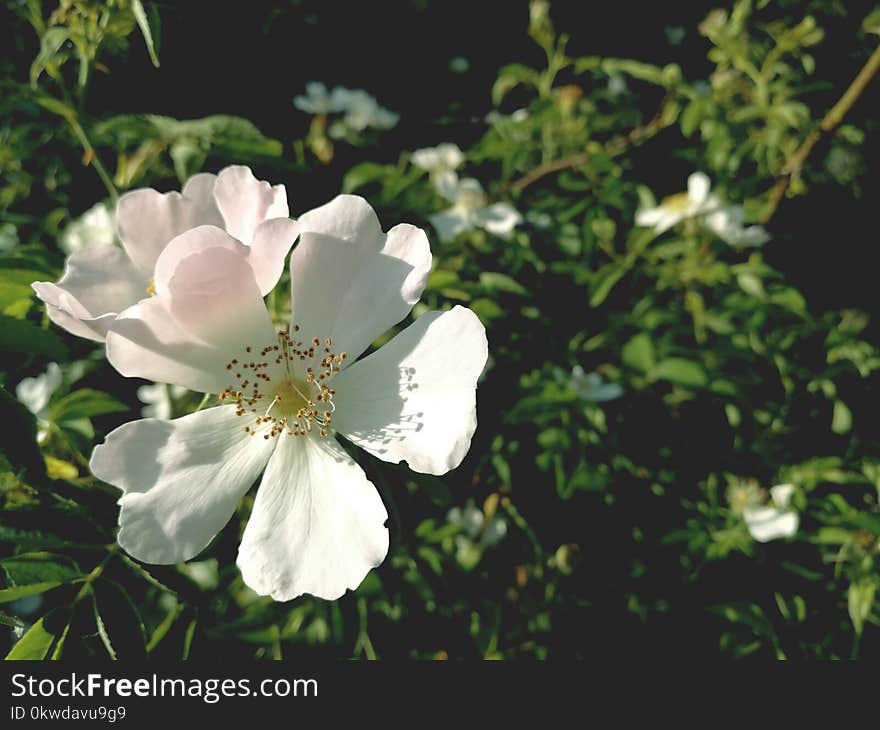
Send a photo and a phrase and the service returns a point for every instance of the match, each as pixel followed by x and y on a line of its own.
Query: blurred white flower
pixel 361 110
pixel 676 208
pixel 459 65
pixel 617 85
pixel 591 386
pixel 725 220
pixel 95 227
pixel 728 223
pixel 317 100
pixel 158 399
pixel 8 237
pixel 35 393
pixel 470 209
pixel 496 117
pixel 437 160
pixel 473 523
pixel 774 520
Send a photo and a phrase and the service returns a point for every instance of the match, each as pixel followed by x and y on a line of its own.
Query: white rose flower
pixel 676 208
pixel 470 209
pixel 95 227
pixel 317 524
pixel 101 281
pixel 774 520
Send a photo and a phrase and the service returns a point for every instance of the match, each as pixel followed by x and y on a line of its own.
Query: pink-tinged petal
pixel 414 399
pixel 98 282
pixel 213 295
pixel 354 288
pixel 245 202
pixel 147 220
pixel 318 524
pixel 188 243
pixel 181 480
pixel 146 341
pixel 272 242
pixel 348 217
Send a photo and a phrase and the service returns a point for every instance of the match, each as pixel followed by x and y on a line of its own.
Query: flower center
pixel 284 387
pixel 678 203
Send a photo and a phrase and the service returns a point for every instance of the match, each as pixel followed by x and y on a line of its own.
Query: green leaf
pixel 143 22
pixel 21 336
pixel 11 621
pixel 638 353
pixel 163 628
pixel 871 24
pixel 38 641
pixel 19 439
pixel 32 568
pixel 119 622
pixel 7 595
pixel 860 600
pixel 50 45
pixel 841 421
pixel 494 281
pixel 680 371
pixel 85 403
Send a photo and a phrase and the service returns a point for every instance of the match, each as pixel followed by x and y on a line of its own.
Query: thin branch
pixel 615 147
pixel 830 122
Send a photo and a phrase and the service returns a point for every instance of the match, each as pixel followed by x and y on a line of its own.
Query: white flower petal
pixel 354 290
pixel 448 185
pixel 36 392
pixel 318 524
pixel 245 202
pixel 97 281
pixel 769 523
pixel 499 219
pixel 272 241
pixel 214 296
pixel 148 220
pixel 349 217
pixel 181 480
pixel 781 494
pixel 449 223
pixel 698 186
pixel 147 342
pixel 415 397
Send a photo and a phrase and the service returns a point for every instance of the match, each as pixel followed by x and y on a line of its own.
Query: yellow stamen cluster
pixel 272 385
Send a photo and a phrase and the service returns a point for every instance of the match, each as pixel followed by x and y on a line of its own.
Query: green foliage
pixel 644 390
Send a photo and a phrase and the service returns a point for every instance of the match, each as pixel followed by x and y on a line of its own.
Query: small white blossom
pixel 95 227
pixel 437 160
pixel 8 237
pixel 360 110
pixel 35 393
pixel 725 220
pixel 317 100
pixel 591 386
pixel 728 223
pixel 774 520
pixel 473 523
pixel 158 399
pixel 676 208
pixel 470 209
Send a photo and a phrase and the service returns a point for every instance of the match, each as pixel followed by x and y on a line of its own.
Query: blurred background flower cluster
pixel 664 218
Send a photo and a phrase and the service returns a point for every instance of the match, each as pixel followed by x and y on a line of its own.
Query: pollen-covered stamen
pixel 284 386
